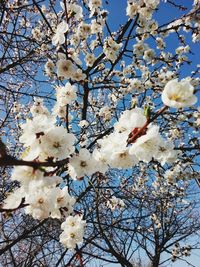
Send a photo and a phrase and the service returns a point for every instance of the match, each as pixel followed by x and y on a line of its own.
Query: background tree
pixel 78 157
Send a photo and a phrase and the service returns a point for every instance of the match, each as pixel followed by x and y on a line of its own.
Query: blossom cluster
pixel 65 95
pixel 115 203
pixel 146 142
pixel 133 138
pixel 41 191
pixel 44 140
pixel 145 11
pixel 73 230
pixel 41 194
pixel 178 251
pixel 111 48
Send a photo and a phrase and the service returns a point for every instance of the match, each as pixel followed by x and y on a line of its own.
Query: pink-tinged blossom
pixel 146 146
pixel 129 120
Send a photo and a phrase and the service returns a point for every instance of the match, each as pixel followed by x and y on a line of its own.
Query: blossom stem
pixel 142 130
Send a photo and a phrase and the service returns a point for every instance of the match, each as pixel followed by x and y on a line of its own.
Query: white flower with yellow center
pixel 65 68
pixel 66 94
pixel 179 94
pixel 82 164
pixel 73 230
pixel 57 143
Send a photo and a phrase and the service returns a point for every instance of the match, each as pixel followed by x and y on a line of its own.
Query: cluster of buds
pixel 155 220
pixel 180 251
pixel 115 203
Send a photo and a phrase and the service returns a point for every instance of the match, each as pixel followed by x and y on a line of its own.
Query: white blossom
pixel 114 203
pixel 93 4
pixel 14 199
pixel 89 59
pixel 73 231
pixel 106 113
pixel 81 164
pixel 132 9
pixel 178 94
pixel 84 30
pixel 59 37
pixel 49 68
pixel 34 128
pixel 65 68
pixel 25 174
pixel 38 108
pixel 83 123
pixel 129 120
pixel 111 49
pixel 66 94
pixel 146 146
pixel 56 143
pixel 62 200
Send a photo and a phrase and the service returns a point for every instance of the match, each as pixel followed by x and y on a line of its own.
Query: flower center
pixel 59 199
pixel 175 98
pixel 56 144
pixel 72 235
pixel 41 201
pixel 83 164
